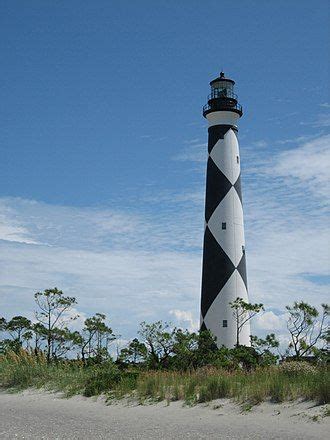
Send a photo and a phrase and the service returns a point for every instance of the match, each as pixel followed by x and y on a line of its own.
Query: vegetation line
pixel 164 363
pixel 287 381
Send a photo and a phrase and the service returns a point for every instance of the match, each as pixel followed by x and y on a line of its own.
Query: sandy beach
pixel 36 415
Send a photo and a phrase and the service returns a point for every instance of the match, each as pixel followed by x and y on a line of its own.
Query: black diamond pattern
pixel 237 186
pixel 217 132
pixel 217 266
pixel 217 186
pixel 217 269
pixel 242 269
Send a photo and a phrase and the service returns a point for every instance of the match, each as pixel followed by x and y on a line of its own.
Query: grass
pixel 255 387
pixel 23 370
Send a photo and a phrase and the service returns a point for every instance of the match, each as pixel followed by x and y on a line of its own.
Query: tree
pixel 64 340
pixel 242 313
pixel 95 338
pixel 135 353
pixel 207 348
pixel 307 328
pixel 53 308
pixel 159 339
pixel 265 348
pixel 40 335
pixel 3 324
pixel 19 328
pixel 185 350
pixel 193 350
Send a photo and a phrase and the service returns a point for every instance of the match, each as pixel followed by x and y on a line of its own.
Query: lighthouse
pixel 224 266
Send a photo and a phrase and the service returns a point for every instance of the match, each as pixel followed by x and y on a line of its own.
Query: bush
pixel 22 369
pixel 295 368
pixel 290 380
pixel 102 379
pixel 322 390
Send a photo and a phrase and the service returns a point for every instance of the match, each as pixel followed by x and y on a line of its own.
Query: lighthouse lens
pixel 223 85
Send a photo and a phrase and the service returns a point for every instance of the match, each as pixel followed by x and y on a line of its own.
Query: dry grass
pixel 257 386
pixel 24 370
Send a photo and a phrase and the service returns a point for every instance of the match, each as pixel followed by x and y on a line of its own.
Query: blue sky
pixel 103 151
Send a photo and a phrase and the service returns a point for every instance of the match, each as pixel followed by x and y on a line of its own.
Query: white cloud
pixel 271 322
pixel 129 286
pixel 308 164
pixel 14 233
pixel 260 144
pixel 298 139
pixel 193 153
pixel 10 227
pixel 146 264
pixel 185 319
pixel 101 228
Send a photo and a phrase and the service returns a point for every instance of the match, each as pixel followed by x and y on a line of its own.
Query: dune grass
pixel 208 384
pixel 277 383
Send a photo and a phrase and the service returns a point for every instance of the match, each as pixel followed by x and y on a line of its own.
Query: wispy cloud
pixel 11 229
pixel 307 165
pixel 260 144
pixel 287 231
pixel 145 264
pixel 323 120
pixel 193 152
pixel 129 286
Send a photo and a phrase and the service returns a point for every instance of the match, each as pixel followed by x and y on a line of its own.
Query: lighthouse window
pixel 225 323
pixel 224 225
pixel 237 159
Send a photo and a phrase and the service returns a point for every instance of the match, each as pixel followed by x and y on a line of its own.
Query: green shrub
pixel 102 379
pixel 291 380
pixel 278 390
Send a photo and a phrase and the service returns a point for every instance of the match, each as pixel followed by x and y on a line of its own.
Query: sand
pixel 40 415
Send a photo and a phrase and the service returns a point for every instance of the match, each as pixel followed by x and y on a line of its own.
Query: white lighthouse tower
pixel 224 268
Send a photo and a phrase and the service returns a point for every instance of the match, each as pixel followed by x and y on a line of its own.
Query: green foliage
pixel 209 383
pixel 3 324
pixel 134 354
pixel 166 363
pixel 19 328
pixel 207 349
pixel 246 357
pixel 184 350
pixel 193 350
pixel 242 313
pixel 52 315
pixel 159 338
pixel 95 339
pixel 166 348
pixel 277 383
pixel 216 387
pixel 264 348
pixel 102 379
pixel 306 328
pixel 8 345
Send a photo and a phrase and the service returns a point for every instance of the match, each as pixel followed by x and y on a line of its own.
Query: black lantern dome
pixel 222 97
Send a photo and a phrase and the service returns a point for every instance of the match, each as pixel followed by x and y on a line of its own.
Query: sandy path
pixel 33 415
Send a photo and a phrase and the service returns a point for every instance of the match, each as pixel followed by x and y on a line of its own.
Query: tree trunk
pixel 237 335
